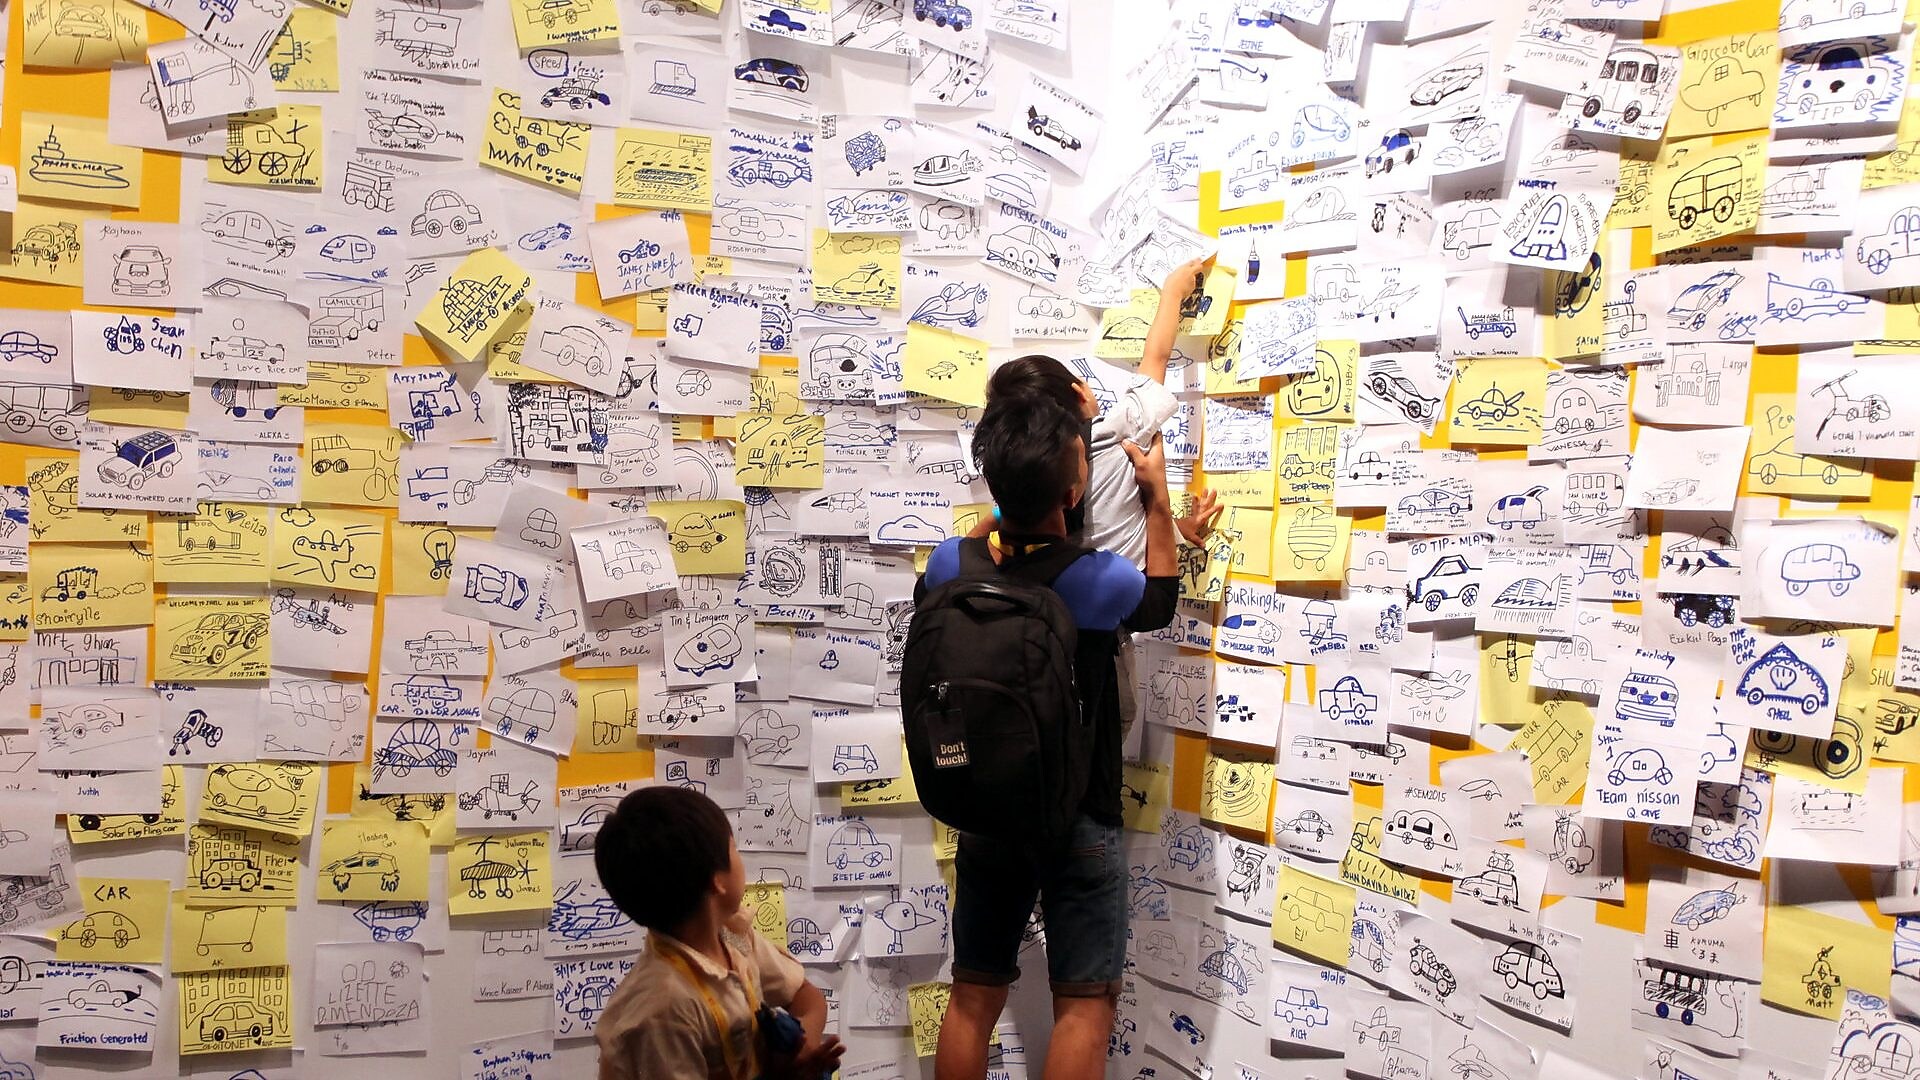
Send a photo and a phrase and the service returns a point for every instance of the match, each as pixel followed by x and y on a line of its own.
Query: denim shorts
pixel 1082 889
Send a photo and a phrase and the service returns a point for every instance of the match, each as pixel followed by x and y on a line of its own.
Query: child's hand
pixel 1186 277
pixel 1197 523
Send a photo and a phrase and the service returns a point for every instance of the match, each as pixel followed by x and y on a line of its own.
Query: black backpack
pixel 996 735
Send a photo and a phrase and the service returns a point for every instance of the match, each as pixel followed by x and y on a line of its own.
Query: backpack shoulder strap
pixel 1042 567
pixel 976 560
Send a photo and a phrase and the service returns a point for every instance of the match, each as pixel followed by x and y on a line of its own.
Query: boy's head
pixel 1030 451
pixel 665 853
pixel 1043 376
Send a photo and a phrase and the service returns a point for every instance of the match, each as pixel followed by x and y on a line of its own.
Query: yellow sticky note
pixel 354 464
pixel 423 557
pixel 927 1009
pixel 139 408
pixel 857 268
pixel 500 872
pixel 663 168
pixel 46 248
pixel 1308 453
pixel 1812 958
pixel 1223 362
pixel 1633 205
pixel 279 796
pixel 228 865
pixel 1557 743
pixel 125 922
pixel 70 159
pixel 609 719
pixel 1577 299
pixel 1326 392
pixel 76 586
pixel 776 390
pixel 1310 543
pixel 897 791
pixel 559 22
pixel 1726 84
pixel 1496 402
pixel 707 536
pixel 306 55
pixel 339 386
pixel 765 905
pixel 945 365
pixel 170 821
pixel 1833 762
pixel 362 859
pixel 1362 866
pixel 1312 916
pixel 91 34
pixel 1123 329
pixel 53 505
pixel 211 638
pixel 1250 489
pixel 777 451
pixel 545 151
pixel 1205 314
pixel 475 304
pixel 1252 533
pixel 1235 790
pixel 223 542
pixel 1774 467
pixel 1706 190
pixel 16 609
pixel 1146 789
pixel 1895 714
pixel 221 939
pixel 433 812
pixel 227 1011
pixel 337 549
pixel 272 148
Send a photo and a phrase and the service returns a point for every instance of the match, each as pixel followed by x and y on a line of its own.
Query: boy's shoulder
pixel 651 993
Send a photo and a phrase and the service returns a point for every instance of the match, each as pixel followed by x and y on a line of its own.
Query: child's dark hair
pixel 658 851
pixel 1027 447
pixel 1035 374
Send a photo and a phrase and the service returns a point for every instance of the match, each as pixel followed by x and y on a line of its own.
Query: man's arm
pixel 1166 321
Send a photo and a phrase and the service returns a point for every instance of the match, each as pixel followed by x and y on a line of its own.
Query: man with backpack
pixel 1011 705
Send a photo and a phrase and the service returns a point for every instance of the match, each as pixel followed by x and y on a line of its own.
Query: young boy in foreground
pixel 692 1006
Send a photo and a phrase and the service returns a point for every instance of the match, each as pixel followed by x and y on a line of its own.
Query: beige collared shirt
pixel 657 1025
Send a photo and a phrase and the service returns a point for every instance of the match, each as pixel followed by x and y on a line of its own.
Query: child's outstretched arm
pixel 819 1055
pixel 1182 280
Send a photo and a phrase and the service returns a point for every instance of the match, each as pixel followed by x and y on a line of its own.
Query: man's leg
pixel 972 1012
pixel 1084 896
pixel 1080 1029
pixel 994 891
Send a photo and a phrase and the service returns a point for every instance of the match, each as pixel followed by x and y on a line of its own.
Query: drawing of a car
pixel 139 459
pixel 1709 905
pixel 1301 1005
pixel 342 871
pixel 1347 698
pixel 776 172
pixel 1839 74
pixel 765 71
pixel 1450 577
pixel 543 238
pixel 1445 83
pixel 1026 247
pixel 1640 765
pixel 1396 146
pixel 1497 887
pixel 1780 675
pixel 230 1018
pixel 100 994
pixel 1524 509
pixel 1648 697
pixel 1309 823
pixel 855 843
pixel 1427 965
pixel 1526 962
pixel 696 530
pixel 445 210
pixel 1691 308
pixel 242 347
pixel 401 128
pixel 1377 1028
pixel 83 21
pixel 866 284
pixel 25 345
pixel 1436 500
pixel 489 584
pixel 1046 127
pixel 1401 393
pixel 141 270
pixel 1184 1025
pixel 109 925
pixel 230 874
pixel 1319 122
pixel 943 13
pixel 1896 716
pixel 1420 827
pixel 1818 564
pixel 1781 461
pixel 241 789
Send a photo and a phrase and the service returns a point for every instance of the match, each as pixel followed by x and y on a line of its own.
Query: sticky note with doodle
pixel 227 1011
pixel 945 365
pixel 76 586
pixel 101 35
pixel 927 1008
pixel 1498 401
pixel 211 638
pixel 1710 191
pixel 272 148
pixel 222 542
pixel 765 905
pixel 352 464
pixel 545 151
pixel 279 796
pixel 224 938
pixel 856 268
pixel 475 304
pixel 125 922
pixel 666 169
pixel 707 536
pixel 1312 915
pixel 1236 790
pixel 561 22
pixel 493 872
pixel 775 451
pixel 332 548
pixel 71 159
pixel 46 249
pixel 372 860
pixel 1812 957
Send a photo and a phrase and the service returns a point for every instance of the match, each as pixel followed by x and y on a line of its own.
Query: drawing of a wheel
pixel 273 163
pixel 1632 113
pixel 433 227
pixel 88 937
pixel 120 938
pixel 249 881
pixel 238 161
pixel 1687 216
pixel 219 1034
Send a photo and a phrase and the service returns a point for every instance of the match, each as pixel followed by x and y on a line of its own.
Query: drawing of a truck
pixel 345 314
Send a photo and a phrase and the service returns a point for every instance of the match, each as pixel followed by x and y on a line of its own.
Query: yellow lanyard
pixel 677 959
pixel 1013 550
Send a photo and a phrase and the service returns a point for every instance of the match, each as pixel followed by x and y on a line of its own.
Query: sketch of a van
pixel 1627 84
pixel 1713 186
pixel 1422 827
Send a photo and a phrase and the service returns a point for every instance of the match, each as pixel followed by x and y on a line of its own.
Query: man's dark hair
pixel 658 851
pixel 1028 449
pixel 1036 375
